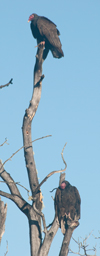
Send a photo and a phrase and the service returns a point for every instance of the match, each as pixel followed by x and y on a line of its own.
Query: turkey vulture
pixel 67 204
pixel 44 30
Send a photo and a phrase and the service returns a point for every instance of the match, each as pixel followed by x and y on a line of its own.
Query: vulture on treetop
pixel 67 204
pixel 44 30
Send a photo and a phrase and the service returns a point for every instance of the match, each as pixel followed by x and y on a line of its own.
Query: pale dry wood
pixel 3 213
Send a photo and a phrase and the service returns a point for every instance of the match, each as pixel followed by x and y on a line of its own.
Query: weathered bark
pixel 35 220
pixel 65 245
pixel 15 195
pixel 67 237
pixel 30 113
pixel 3 213
pixel 49 235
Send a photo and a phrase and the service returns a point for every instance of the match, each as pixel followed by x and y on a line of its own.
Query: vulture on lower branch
pixel 67 204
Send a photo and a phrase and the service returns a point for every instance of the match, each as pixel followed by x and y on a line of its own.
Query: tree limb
pixel 21 148
pixel 15 195
pixel 10 82
pixel 65 244
pixel 82 245
pixel 49 238
pixel 51 173
pixel 45 179
pixel 4 143
pixel 64 248
pixel 42 216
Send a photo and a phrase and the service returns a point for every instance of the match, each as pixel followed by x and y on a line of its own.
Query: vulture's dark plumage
pixel 67 204
pixel 45 30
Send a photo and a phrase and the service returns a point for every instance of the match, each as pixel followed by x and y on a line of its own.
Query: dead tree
pixel 34 211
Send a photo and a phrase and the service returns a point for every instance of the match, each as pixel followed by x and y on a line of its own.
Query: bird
pixel 46 32
pixel 67 204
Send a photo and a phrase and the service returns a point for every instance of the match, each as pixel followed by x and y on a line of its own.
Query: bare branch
pixel 8 179
pixel 43 137
pixel 6 250
pixel 76 252
pixel 10 82
pixel 4 142
pixel 7 195
pixel 15 195
pixel 51 173
pixel 45 179
pixel 17 183
pixel 82 245
pixel 62 155
pixel 84 240
pixel 19 201
pixel 42 216
pixel 96 237
pixel 62 178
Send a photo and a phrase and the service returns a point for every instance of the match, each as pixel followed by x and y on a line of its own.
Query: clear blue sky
pixel 69 110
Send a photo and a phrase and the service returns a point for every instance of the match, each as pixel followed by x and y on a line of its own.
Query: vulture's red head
pixel 63 185
pixel 31 17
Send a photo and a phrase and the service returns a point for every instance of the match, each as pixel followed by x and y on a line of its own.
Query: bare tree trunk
pixel 34 219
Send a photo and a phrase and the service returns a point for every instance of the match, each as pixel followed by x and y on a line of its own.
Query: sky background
pixel 69 109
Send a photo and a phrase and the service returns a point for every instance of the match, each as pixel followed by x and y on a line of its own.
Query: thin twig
pixel 70 251
pixel 83 247
pixel 17 183
pixel 7 249
pixel 76 241
pixel 4 142
pixel 42 216
pixel 10 82
pixel 78 253
pixel 52 190
pixel 62 155
pixel 96 237
pixel 51 173
pixel 24 147
pixel 87 236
